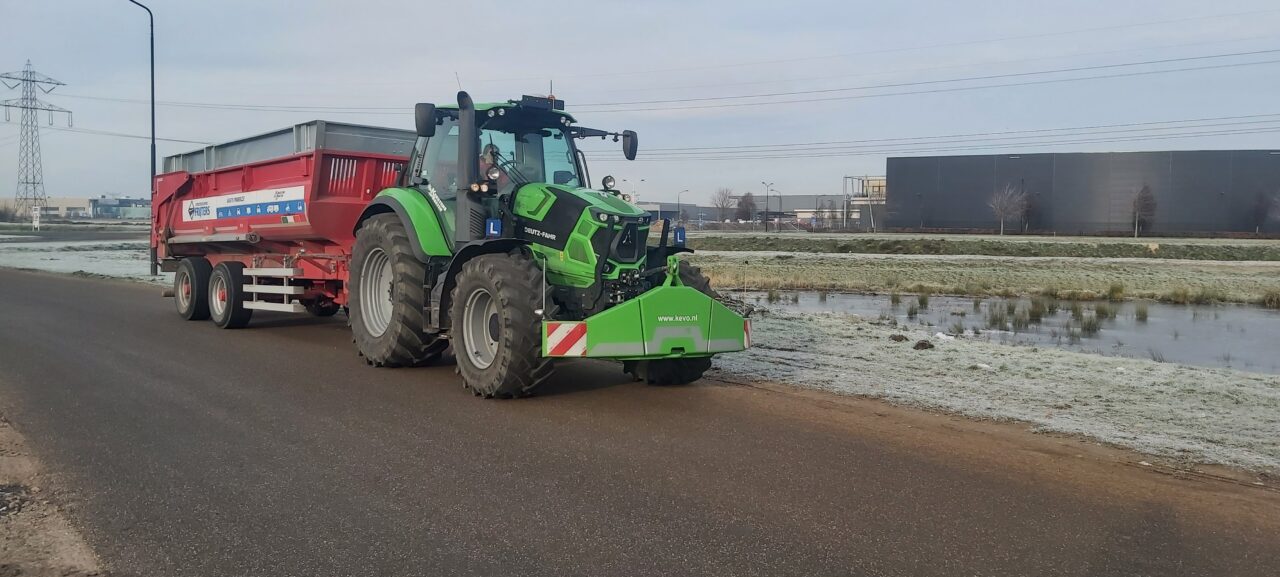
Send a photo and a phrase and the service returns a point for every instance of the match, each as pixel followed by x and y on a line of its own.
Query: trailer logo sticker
pixel 269 202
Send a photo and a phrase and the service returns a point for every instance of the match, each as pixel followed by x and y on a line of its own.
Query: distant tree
pixel 724 201
pixel 7 213
pixel 1266 207
pixel 1144 208
pixel 746 207
pixel 1008 203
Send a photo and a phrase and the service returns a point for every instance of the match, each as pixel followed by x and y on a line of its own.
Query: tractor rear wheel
pixel 496 331
pixel 676 371
pixel 387 294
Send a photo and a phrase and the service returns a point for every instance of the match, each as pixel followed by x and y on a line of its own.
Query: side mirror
pixel 424 118
pixel 562 177
pixel 629 144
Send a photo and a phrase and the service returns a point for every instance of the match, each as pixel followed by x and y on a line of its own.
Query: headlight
pixel 608 182
pixel 493 173
pixel 603 217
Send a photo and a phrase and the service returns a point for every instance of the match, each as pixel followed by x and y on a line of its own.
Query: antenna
pixel 30 191
pixel 459 79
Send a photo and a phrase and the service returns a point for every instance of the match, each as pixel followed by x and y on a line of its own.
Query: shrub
pixel 1140 312
pixel 822 296
pixel 923 300
pixel 1206 296
pixel 1179 296
pixel 772 296
pixel 977 305
pixel 1115 292
pixel 997 319
pixel 1271 299
pixel 1103 311
pixel 1021 321
pixel 1090 326
pixel 1035 313
pixel 895 299
pixel 912 311
pixel 957 328
pixel 1077 310
pixel 1010 307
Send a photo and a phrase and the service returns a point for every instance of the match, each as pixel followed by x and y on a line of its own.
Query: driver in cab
pixel 490 157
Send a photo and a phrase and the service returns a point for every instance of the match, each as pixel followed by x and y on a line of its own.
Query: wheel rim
pixel 375 292
pixel 183 292
pixel 480 328
pixel 218 295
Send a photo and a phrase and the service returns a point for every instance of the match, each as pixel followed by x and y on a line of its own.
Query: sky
pixel 722 94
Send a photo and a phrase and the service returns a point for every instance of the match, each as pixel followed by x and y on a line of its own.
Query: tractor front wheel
pixel 676 371
pixel 496 331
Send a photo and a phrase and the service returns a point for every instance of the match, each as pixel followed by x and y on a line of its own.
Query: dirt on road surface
pixel 188 450
pixel 35 538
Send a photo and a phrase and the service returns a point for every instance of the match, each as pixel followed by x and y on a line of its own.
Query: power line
pixel 911 48
pixel 402 111
pixel 940 81
pixel 851 145
pixel 968 148
pixel 897 71
pixel 962 135
pixel 937 90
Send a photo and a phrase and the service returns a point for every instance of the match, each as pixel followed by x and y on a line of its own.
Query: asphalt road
pixel 182 449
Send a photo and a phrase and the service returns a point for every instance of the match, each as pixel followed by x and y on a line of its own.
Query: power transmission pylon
pixel 30 174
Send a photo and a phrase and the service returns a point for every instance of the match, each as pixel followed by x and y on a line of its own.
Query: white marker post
pixel 35 218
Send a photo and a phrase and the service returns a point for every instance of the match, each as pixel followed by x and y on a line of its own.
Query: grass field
pixel 987 245
pixel 1073 278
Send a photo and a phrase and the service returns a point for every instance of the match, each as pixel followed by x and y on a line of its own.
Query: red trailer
pixel 283 205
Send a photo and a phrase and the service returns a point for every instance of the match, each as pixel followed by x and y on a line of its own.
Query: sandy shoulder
pixel 35 537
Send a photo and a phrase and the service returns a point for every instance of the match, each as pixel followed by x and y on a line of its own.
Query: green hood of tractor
pixel 534 201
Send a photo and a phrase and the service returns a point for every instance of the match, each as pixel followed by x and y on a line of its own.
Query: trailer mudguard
pixel 419 219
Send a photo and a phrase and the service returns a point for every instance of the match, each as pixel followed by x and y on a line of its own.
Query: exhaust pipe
pixel 470 217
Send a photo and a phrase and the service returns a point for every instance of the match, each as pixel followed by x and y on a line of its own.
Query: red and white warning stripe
pixel 746 333
pixel 566 339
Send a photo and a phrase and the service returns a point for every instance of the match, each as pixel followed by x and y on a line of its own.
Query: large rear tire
pixel 387 296
pixel 191 288
pixel 496 333
pixel 226 296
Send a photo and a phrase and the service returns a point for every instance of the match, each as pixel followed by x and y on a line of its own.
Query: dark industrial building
pixel 1186 192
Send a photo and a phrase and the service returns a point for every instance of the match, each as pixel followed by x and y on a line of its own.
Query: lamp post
pixel 679 207
pixel 151 24
pixel 767 186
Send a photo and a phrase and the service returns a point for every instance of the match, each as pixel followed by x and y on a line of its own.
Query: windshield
pixel 530 155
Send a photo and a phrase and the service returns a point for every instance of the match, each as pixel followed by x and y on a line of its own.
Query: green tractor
pixel 493 242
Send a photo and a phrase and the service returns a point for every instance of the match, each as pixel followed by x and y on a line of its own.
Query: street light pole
pixel 151 23
pixel 679 207
pixel 767 186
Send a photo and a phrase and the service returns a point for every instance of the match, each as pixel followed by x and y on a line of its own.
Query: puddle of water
pixel 1241 337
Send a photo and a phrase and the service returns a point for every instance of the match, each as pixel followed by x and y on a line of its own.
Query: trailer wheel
pixel 191 288
pixel 387 295
pixel 497 334
pixel 226 296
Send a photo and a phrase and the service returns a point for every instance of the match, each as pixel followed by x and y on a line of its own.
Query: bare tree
pixel 746 208
pixel 1009 202
pixel 1144 208
pixel 724 201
